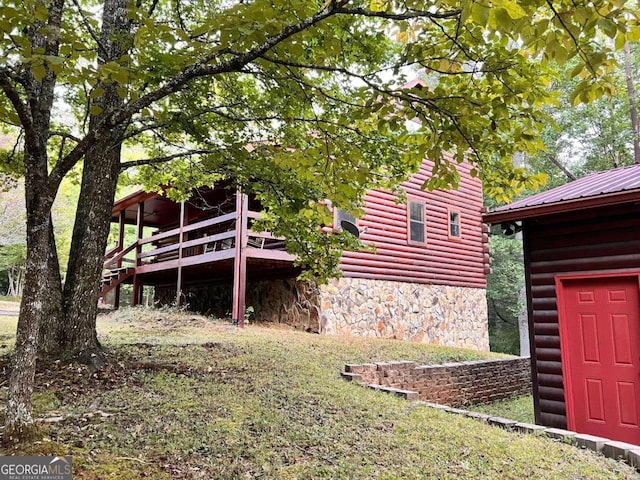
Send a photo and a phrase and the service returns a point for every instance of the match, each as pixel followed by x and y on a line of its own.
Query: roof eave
pixel 562 207
pixel 131 200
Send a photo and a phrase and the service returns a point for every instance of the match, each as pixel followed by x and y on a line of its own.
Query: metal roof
pixel 610 187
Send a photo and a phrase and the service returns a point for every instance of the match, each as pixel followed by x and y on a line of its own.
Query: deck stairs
pixel 114 277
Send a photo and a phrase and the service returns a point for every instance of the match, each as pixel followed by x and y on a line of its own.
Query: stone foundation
pixel 285 301
pixel 435 314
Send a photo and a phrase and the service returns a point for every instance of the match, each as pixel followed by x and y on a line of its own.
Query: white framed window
pixel 416 224
pixel 454 224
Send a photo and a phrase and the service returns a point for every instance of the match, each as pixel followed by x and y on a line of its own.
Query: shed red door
pixel 600 336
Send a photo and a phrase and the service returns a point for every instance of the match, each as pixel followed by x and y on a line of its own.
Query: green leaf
pixel 96 92
pixel 121 76
pixel 378 5
pixel 513 9
pixel 39 72
pixel 633 33
pixel 479 14
pixel 577 70
pixel 41 12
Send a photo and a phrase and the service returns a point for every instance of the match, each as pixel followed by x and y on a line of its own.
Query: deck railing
pixel 210 240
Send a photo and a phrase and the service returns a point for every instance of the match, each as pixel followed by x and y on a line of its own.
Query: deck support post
pixel 116 298
pixel 240 260
pixel 137 286
pixel 179 296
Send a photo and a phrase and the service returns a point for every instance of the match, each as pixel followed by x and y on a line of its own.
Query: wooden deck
pixel 221 246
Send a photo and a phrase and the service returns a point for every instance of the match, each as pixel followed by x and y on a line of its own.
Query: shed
pixel 582 266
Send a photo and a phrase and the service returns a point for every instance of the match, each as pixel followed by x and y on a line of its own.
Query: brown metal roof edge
pixel 562 207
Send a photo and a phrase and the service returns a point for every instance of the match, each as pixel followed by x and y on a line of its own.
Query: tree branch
pixel 575 41
pixel 19 106
pixel 87 25
pixel 409 15
pixel 56 133
pixel 167 158
pixel 557 163
pixel 201 68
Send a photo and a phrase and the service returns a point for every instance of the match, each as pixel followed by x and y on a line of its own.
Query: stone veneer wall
pixel 288 301
pixel 435 314
pixel 453 384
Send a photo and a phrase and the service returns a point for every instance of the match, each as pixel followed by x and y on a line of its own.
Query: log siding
pixel 441 259
pixel 593 241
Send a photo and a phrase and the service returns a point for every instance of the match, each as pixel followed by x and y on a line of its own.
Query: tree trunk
pixel 90 235
pixel 633 108
pixel 39 196
pixel 18 412
pixel 523 323
pixel 13 275
pixel 99 181
pixel 18 421
pixel 52 327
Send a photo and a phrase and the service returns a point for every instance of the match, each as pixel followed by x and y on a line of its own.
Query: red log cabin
pixel 426 280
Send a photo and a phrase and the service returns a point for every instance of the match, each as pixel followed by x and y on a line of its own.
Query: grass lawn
pixel 517 408
pixel 184 397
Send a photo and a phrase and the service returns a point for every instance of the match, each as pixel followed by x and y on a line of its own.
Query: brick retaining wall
pixel 454 384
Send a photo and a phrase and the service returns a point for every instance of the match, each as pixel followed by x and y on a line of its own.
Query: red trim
pixel 565 334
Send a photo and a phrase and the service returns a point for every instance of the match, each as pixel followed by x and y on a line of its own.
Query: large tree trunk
pixel 90 234
pixel 18 412
pixel 99 181
pixel 39 196
pixel 18 421
pixel 52 326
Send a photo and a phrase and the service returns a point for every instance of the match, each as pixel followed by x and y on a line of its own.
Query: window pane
pixel 417 231
pixel 454 224
pixel 416 211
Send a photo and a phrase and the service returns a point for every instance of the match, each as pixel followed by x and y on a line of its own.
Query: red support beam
pixel 179 295
pixel 240 260
pixel 120 234
pixel 116 299
pixel 137 286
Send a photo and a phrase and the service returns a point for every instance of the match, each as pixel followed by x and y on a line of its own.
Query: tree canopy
pixel 199 81
pixel 321 77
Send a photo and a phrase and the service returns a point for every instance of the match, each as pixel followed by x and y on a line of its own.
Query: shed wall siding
pixel 600 240
pixel 441 260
